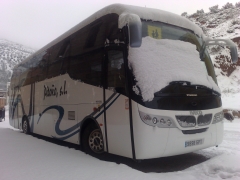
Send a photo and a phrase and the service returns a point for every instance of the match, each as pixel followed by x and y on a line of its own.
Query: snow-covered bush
pixel 214 9
pixel 200 11
pixel 228 5
pixel 231 30
pixel 235 21
pixel 184 14
pixel 214 49
pixel 204 29
pixel 237 4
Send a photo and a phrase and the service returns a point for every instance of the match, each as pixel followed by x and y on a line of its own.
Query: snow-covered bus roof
pixel 121 9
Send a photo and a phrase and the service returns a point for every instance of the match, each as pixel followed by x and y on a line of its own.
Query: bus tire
pixel 25 126
pixel 93 140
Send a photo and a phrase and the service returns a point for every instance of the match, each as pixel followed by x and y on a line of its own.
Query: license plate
pixel 194 142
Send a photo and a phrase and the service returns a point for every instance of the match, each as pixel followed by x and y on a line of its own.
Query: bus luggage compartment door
pixel 118 125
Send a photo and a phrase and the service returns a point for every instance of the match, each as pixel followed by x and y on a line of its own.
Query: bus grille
pixel 204 120
pixel 190 121
pixel 186 121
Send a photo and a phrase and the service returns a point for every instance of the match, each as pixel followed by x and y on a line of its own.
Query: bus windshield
pixel 160 30
pixel 167 87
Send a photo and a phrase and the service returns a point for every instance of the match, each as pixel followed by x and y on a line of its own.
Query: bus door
pixel 117 121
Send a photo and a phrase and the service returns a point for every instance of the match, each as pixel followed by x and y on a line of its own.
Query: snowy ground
pixel 231 101
pixel 25 157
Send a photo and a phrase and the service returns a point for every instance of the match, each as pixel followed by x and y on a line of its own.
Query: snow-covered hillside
pixel 10 54
pixel 222 23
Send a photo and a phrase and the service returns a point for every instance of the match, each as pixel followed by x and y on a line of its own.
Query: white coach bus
pixel 131 81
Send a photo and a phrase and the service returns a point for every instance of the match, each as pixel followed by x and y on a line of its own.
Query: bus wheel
pixel 93 140
pixel 25 126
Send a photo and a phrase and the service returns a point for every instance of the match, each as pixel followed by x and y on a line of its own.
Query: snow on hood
pixel 158 62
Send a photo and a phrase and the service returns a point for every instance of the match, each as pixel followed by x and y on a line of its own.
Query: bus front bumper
pixel 176 142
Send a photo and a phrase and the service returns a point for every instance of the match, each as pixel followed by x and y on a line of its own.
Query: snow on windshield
pixel 158 62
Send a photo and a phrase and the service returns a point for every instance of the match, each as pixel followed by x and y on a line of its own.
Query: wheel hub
pixel 25 126
pixel 96 141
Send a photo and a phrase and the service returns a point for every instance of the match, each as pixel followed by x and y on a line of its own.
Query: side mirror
pixel 135 33
pixel 225 42
pixel 134 28
pixel 234 54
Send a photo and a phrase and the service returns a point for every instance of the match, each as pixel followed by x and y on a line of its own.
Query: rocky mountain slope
pixel 221 23
pixel 10 54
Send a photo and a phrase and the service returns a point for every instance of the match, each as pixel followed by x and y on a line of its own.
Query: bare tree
pixel 200 11
pixel 214 9
pixel 237 4
pixel 184 14
pixel 228 5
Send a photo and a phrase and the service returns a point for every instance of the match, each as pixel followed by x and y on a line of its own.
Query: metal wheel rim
pixel 95 141
pixel 25 126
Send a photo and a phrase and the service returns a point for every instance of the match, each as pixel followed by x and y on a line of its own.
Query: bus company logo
pixel 52 91
pixel 196 113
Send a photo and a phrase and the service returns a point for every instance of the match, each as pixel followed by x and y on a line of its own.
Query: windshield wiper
pixel 207 88
pixel 197 86
pixel 180 82
pixel 176 88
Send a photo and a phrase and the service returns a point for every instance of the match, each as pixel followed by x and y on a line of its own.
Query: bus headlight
pixel 169 122
pixel 218 117
pixel 159 121
pixel 154 120
pixel 162 121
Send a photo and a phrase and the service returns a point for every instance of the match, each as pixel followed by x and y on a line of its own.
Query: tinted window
pixel 77 42
pixel 159 30
pixel 76 54
pixel 87 68
pixel 92 35
pixel 54 69
pixel 64 51
pixel 116 72
pixel 53 54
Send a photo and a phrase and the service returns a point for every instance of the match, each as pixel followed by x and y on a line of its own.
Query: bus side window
pixel 54 69
pixel 63 56
pixel 87 68
pixel 116 72
pixel 53 53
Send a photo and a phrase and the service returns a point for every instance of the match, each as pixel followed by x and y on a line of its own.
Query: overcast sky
pixel 35 23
